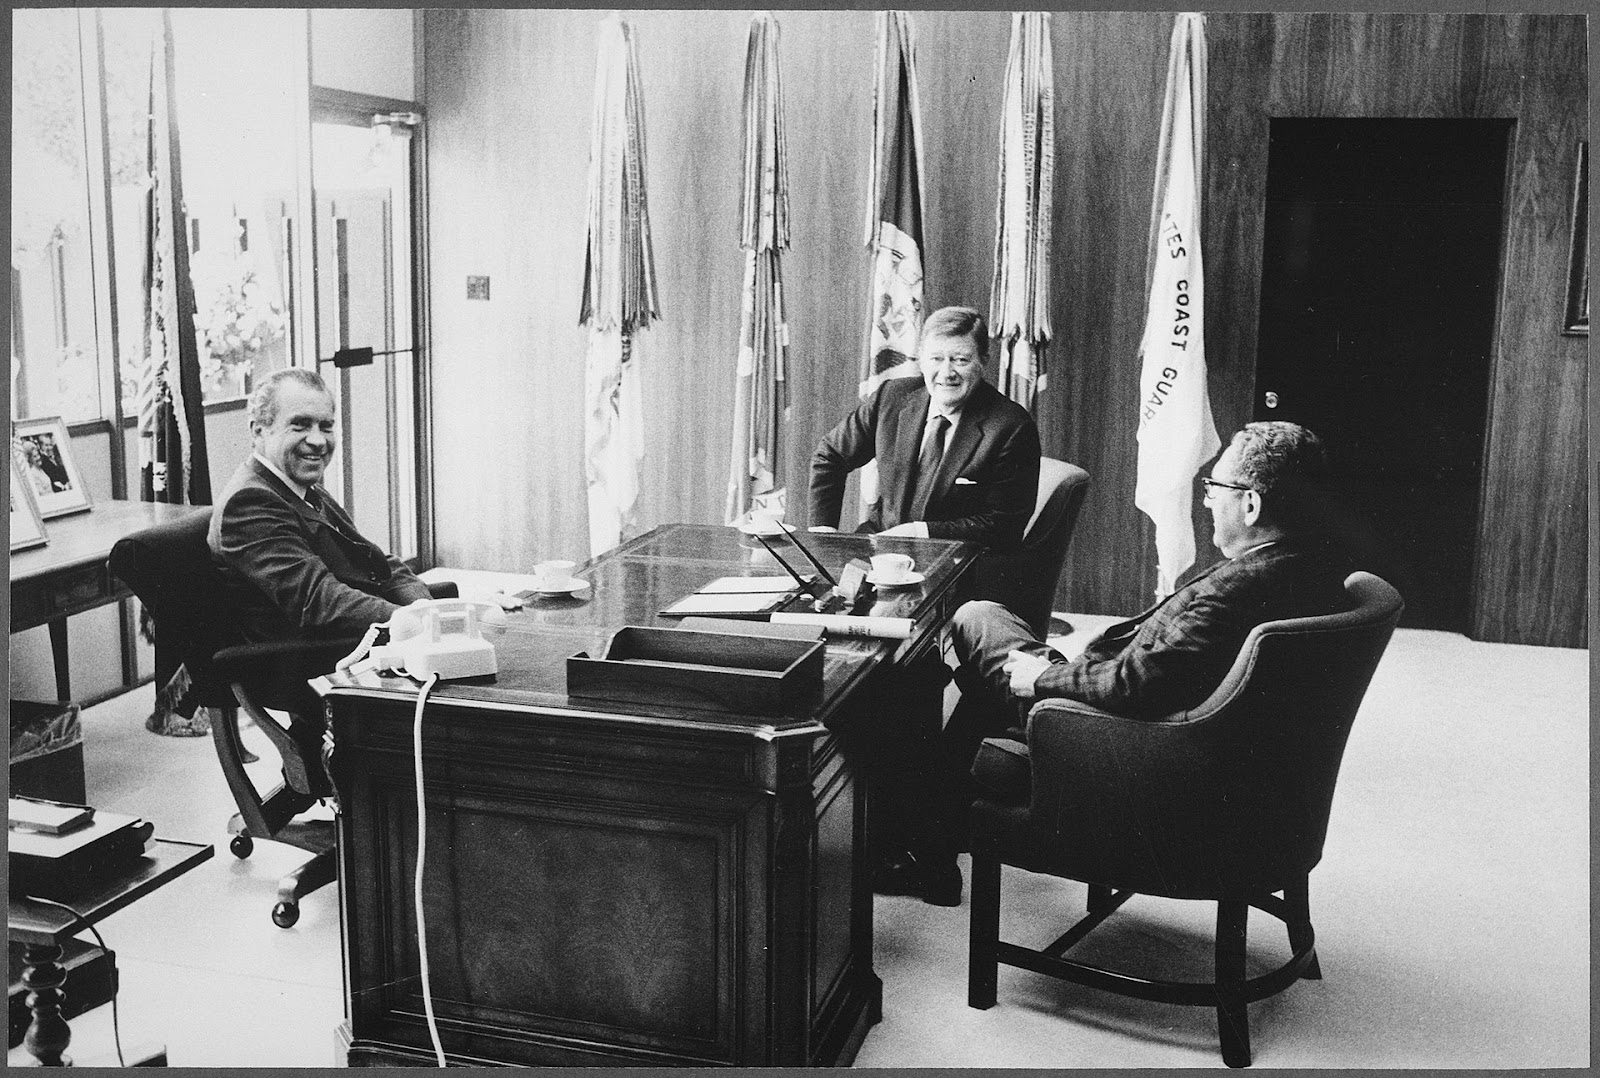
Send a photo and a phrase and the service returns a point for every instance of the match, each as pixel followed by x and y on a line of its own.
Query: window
pixel 55 368
pixel 235 100
pixel 237 140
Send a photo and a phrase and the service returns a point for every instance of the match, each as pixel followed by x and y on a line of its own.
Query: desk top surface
pixel 631 583
pixel 31 921
pixel 88 537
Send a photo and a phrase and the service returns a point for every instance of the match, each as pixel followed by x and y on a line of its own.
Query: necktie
pixel 928 465
pixel 371 560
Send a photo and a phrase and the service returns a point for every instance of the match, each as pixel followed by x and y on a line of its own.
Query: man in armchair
pixel 1264 496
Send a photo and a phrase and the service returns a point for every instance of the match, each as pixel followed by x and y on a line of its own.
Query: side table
pixel 43 927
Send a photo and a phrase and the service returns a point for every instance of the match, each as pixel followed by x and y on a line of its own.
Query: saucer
pixel 567 589
pixel 908 581
pixel 750 528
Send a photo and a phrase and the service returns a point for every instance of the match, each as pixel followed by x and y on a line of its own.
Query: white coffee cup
pixel 891 567
pixel 764 521
pixel 553 575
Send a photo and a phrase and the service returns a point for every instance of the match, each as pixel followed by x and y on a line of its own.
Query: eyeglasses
pixel 1212 485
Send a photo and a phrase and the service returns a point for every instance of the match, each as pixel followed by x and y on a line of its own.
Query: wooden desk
pixel 43 928
pixel 68 575
pixel 617 885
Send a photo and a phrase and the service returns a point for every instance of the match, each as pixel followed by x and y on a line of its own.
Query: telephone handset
pixel 432 636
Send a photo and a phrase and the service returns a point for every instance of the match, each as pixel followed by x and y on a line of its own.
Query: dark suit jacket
pixel 296 572
pixel 1172 656
pixel 994 452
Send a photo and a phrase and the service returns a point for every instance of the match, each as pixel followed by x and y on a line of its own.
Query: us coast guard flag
pixel 1176 432
pixel 619 290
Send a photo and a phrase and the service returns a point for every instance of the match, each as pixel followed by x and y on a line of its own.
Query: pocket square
pixel 963 481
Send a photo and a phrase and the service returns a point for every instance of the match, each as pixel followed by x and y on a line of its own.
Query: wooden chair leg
pixel 983 963
pixel 1297 897
pixel 1233 1024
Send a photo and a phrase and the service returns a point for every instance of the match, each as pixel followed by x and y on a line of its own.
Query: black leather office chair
pixel 1024 580
pixel 169 568
pixel 1228 803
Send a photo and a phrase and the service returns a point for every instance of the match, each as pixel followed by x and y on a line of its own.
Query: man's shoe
pixel 941 881
pixel 896 875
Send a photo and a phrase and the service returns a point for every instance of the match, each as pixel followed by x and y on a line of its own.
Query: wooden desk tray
pixel 760 675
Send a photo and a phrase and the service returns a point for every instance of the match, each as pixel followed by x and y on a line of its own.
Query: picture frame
pixel 1576 321
pixel 27 527
pixel 41 449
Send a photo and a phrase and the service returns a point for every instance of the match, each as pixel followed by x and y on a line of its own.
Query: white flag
pixel 619 291
pixel 1176 432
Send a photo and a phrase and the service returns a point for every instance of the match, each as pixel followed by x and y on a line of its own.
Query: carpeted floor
pixel 1451 907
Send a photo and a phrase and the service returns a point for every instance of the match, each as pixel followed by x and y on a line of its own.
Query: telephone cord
pixel 116 1024
pixel 422 844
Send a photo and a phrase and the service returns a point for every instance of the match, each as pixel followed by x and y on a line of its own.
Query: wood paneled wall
pixel 508 95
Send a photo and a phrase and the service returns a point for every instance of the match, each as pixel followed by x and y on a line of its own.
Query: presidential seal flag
pixel 1019 307
pixel 1176 432
pixel 173 464
pixel 761 391
pixel 619 290
pixel 894 218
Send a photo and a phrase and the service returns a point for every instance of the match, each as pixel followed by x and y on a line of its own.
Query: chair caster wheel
pixel 242 845
pixel 285 914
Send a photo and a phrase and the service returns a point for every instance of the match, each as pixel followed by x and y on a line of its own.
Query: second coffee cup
pixel 891 567
pixel 553 575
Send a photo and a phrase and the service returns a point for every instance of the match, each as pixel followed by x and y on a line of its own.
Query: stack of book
pixel 60 851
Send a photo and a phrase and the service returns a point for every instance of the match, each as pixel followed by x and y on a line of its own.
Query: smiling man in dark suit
pixel 956 458
pixel 292 556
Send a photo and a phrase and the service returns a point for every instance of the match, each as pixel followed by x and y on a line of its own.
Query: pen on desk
pixel 805 585
pixel 795 539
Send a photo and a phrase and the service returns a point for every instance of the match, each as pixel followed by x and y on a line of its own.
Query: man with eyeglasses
pixel 956 458
pixel 1264 494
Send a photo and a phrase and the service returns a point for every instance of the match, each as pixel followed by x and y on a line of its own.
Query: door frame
pixel 329 105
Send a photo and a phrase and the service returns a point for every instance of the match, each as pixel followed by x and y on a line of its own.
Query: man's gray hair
pixel 1287 465
pixel 959 322
pixel 263 407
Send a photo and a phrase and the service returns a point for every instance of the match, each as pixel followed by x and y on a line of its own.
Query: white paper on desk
pixel 850 625
pixel 699 603
pixel 481 584
pixel 752 585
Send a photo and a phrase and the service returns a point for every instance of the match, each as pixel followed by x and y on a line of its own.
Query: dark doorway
pixel 1378 285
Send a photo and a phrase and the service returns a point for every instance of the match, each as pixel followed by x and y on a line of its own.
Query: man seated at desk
pixel 956 460
pixel 293 559
pixel 1263 496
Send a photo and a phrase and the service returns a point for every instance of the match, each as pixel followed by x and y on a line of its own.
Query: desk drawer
pixel 36 602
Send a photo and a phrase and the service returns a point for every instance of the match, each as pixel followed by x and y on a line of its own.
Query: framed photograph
pixel 1576 322
pixel 27 529
pixel 42 452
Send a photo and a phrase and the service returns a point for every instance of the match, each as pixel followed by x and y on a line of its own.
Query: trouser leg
pixel 983 635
